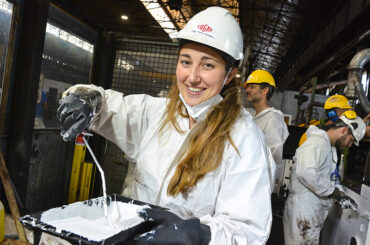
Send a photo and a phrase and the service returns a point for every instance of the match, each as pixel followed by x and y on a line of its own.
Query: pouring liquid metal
pixel 87 220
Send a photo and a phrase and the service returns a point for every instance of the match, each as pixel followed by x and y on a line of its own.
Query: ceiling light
pixel 59 33
pixel 124 17
pixel 6 6
pixel 160 16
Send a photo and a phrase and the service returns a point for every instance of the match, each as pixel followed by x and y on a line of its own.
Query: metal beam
pixel 169 14
pixel 8 68
pixel 34 15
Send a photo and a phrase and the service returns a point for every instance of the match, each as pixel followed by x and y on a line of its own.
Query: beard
pixel 341 142
pixel 253 99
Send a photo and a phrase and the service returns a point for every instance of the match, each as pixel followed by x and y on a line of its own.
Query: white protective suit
pixel 233 200
pixel 310 185
pixel 271 122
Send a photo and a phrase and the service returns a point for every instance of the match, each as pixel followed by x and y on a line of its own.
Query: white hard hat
pixel 215 27
pixel 355 123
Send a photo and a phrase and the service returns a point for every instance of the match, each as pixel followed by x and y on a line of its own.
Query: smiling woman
pixel 200 73
pixel 198 152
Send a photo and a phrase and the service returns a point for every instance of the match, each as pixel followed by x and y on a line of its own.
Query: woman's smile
pixel 200 73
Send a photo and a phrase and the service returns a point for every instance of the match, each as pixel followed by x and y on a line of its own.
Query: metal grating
pixel 270 28
pixel 144 67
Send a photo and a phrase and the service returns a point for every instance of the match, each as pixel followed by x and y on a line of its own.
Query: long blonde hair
pixel 207 143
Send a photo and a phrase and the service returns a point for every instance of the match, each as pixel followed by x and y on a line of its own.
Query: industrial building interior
pixel 47 46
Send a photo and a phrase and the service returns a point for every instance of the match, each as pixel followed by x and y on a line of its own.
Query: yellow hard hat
pixel 260 76
pixel 337 101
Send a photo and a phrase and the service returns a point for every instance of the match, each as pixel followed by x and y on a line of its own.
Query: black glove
pixel 76 111
pixel 343 200
pixel 172 230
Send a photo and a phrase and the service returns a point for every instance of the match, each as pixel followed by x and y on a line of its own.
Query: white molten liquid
pixel 102 179
pixel 94 219
pixel 86 219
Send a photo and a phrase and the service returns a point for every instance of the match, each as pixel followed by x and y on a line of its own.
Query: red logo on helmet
pixel 205 28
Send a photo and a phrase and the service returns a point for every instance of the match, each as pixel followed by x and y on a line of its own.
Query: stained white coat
pixel 233 200
pixel 307 205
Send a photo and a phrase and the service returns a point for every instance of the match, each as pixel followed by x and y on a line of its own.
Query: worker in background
pixel 334 107
pixel 314 179
pixel 197 152
pixel 259 88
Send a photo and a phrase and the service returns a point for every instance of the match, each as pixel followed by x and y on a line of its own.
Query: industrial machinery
pixel 348 226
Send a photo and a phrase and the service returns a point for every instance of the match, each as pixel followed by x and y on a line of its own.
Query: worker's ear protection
pixel 332 115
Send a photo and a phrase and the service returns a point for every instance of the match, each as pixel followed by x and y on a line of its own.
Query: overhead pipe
pixel 356 67
pixel 335 56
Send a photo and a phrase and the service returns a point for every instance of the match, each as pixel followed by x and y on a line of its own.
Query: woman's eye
pixel 208 66
pixel 184 62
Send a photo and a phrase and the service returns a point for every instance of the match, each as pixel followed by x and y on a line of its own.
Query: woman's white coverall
pixel 308 203
pixel 233 200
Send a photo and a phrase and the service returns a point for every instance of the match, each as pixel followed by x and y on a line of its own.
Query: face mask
pixel 227 75
pixel 199 112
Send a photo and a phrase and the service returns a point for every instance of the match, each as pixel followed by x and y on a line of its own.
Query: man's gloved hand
pixel 343 200
pixel 76 111
pixel 171 229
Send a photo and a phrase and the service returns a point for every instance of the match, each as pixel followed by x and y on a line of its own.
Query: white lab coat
pixel 271 122
pixel 310 185
pixel 233 200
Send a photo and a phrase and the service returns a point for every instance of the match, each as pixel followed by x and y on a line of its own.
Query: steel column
pixel 27 72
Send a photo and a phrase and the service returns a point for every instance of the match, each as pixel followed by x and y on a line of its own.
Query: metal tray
pixel 84 209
